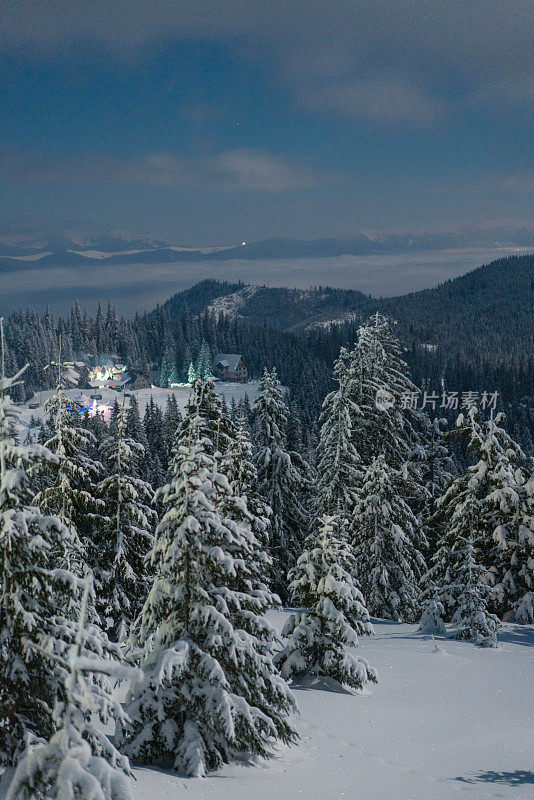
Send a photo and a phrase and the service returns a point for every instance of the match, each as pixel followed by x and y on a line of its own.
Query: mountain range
pixel 488 311
pixel 16 253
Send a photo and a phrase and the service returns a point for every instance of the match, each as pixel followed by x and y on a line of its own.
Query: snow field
pixel 224 390
pixel 446 721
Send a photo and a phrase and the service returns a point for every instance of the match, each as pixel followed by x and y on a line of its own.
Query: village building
pixel 230 367
pixel 109 374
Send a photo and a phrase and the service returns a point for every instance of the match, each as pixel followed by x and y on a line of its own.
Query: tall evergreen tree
pixel 283 480
pixel 126 537
pixel 334 616
pixel 36 594
pixel 144 380
pixel 338 464
pixel 66 765
pixel 510 512
pixel 205 405
pixel 239 467
pixel 204 362
pixel 211 689
pixel 156 444
pixel 28 614
pixel 437 472
pixel 492 489
pixel 69 490
pixel 187 362
pixel 169 373
pixel 523 557
pixel 388 542
pixel 294 429
pixel 472 594
pixel 135 430
pixel 377 381
pixel 172 420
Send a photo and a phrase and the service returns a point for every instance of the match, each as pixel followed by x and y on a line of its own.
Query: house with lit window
pixel 108 373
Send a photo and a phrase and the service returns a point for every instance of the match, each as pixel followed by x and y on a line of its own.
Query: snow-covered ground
pixel 446 720
pixel 226 390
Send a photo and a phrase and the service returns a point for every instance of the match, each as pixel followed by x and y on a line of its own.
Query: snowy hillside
pixel 446 720
pixel 229 304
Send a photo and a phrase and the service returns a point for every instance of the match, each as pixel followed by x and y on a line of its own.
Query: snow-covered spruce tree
pixel 126 535
pixel 377 379
pixel 65 767
pixel 284 480
pixel 338 464
pixel 28 687
pixel 70 485
pixel 155 461
pixel 510 510
pixel 387 542
pixel 514 562
pixel 492 489
pixel 437 472
pixel 241 472
pixel 472 594
pixel 204 362
pixel 378 384
pixel 451 520
pixel 135 429
pixel 432 618
pixel 524 557
pixel 172 419
pixel 169 373
pixel 228 443
pixel 294 432
pixel 204 407
pixel 334 616
pixel 211 690
pixel 35 594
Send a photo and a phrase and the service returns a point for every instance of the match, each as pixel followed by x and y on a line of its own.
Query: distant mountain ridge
pixel 488 312
pixel 74 251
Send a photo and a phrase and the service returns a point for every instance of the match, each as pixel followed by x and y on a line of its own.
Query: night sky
pixel 213 122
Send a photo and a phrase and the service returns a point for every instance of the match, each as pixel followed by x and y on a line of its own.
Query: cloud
pixel 137 286
pixel 521 183
pixel 233 170
pixel 385 99
pixel 258 171
pixel 429 56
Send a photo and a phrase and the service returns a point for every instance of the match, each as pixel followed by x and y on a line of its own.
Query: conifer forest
pixel 147 555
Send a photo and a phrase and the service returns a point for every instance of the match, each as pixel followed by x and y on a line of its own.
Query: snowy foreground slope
pixel 446 720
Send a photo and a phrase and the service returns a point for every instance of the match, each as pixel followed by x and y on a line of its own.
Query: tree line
pixel 474 351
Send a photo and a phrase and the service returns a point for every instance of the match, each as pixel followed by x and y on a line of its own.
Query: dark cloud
pixel 387 61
